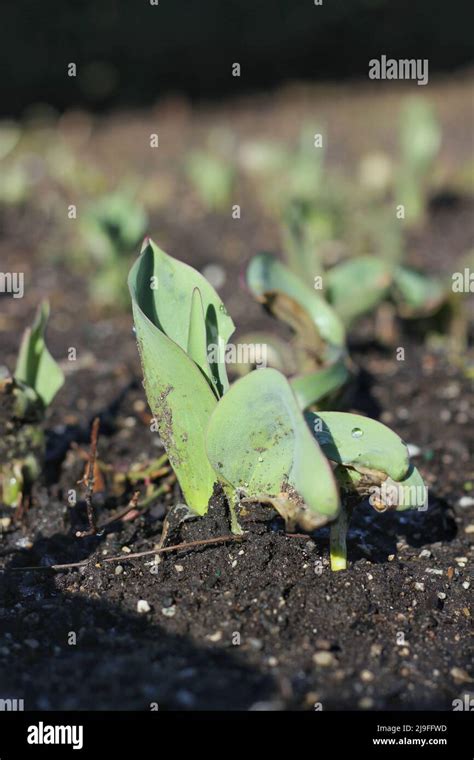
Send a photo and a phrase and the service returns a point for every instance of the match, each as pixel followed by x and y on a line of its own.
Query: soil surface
pixel 261 622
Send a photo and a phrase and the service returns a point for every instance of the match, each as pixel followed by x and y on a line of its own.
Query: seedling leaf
pixel 266 274
pixel 360 442
pixel 357 286
pixel 166 292
pixel 312 388
pixel 177 391
pixel 417 293
pixel 35 366
pixel 258 442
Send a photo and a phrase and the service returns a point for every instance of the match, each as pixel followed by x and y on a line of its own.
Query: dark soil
pixel 260 623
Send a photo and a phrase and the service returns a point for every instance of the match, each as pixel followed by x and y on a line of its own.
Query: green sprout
pixel 420 141
pixel 318 361
pixel 252 438
pixel 346 291
pixel 212 178
pixel 108 230
pixel 24 399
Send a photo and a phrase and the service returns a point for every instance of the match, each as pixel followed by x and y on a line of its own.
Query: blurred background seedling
pixel 107 230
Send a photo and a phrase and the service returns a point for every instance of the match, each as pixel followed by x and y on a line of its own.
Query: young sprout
pixel 319 362
pixel 211 171
pixel 24 399
pixel 420 141
pixel 108 230
pixel 252 439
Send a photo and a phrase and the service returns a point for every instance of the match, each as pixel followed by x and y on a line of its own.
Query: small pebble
pixel 272 661
pixel 466 501
pixel 215 636
pixel 366 676
pixel 143 606
pixel 179 568
pixel 469 528
pixel 24 543
pixel 324 659
pixel 169 611
pixel 323 644
pixel 420 586
pixel 466 585
pixel 118 570
pixel 442 596
pixel 126 549
pixel 366 703
pixel 460 675
pixel 425 553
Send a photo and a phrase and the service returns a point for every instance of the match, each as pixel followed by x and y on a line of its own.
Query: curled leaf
pixel 178 392
pixel 360 442
pixel 266 274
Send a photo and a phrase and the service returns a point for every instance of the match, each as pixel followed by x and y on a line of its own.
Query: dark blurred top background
pixel 129 52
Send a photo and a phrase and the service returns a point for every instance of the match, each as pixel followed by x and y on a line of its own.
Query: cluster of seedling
pixel 255 439
pixel 24 399
pixel 272 436
pixel 334 235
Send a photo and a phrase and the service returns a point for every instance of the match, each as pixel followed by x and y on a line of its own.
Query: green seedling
pixel 420 141
pixel 318 363
pixel 24 399
pixel 108 230
pixel 252 439
pixel 335 298
pixel 212 178
pixel 289 180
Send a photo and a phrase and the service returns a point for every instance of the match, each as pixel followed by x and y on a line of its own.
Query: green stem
pixel 338 534
pixel 232 500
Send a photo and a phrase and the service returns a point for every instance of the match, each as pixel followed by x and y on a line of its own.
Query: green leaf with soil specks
pixel 35 366
pixel 360 442
pixel 358 285
pixel 178 393
pixel 166 288
pixel 258 442
pixel 266 274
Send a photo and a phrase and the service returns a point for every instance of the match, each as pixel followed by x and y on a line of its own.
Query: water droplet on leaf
pixel 357 432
